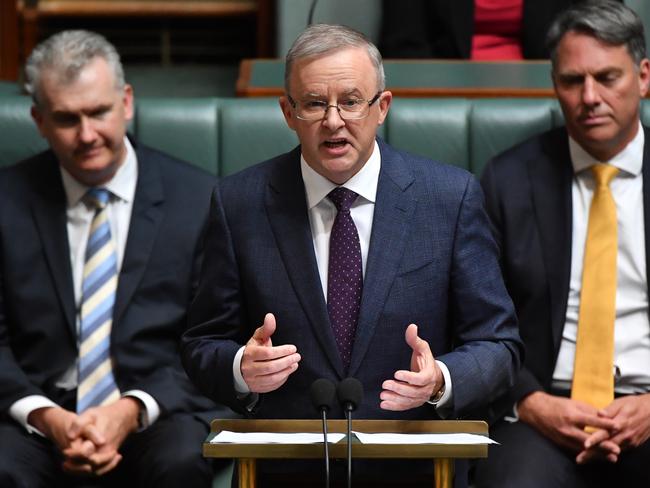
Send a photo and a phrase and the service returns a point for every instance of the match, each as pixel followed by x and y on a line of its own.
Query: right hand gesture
pixel 266 367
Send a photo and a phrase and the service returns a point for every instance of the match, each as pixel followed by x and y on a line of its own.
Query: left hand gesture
pixel 411 389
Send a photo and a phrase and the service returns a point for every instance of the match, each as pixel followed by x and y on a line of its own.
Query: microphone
pixel 350 394
pixel 310 16
pixel 322 396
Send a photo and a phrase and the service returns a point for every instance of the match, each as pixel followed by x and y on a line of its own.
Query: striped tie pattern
pixel 96 381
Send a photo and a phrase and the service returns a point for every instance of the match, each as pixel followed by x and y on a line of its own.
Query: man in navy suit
pixel 422 318
pixel 539 196
pixel 109 404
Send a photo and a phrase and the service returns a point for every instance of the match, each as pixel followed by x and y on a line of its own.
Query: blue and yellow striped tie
pixel 96 381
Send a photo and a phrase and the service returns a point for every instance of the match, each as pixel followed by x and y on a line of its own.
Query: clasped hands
pixel 623 424
pixel 89 441
pixel 266 367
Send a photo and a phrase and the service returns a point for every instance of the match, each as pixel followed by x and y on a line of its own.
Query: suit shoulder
pixel 28 172
pixel 546 143
pixel 431 170
pixel 251 179
pixel 175 170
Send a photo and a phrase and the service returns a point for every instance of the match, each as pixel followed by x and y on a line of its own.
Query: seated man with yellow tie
pixel 570 211
pixel 100 246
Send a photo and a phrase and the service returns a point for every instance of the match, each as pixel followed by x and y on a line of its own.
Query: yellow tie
pixel 593 378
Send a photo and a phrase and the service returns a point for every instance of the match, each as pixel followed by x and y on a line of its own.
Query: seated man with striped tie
pixel 570 210
pixel 100 245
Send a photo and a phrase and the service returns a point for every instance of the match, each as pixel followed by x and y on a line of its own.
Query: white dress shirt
pixel 79 218
pixel 632 326
pixel 322 213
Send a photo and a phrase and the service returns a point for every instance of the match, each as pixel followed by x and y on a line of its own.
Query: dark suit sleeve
pixel 209 346
pixel 14 383
pixel 526 382
pixel 488 351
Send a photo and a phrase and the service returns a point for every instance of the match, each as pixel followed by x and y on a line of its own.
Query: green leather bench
pixel 224 135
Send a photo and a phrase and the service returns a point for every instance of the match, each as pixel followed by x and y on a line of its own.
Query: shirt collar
pixel 122 185
pixel 629 160
pixel 364 183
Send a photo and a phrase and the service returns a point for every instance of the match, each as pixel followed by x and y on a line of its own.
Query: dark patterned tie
pixel 344 277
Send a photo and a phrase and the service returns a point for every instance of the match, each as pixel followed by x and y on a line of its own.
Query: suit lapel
pixel 49 210
pixel 143 229
pixel 288 215
pixel 547 173
pixel 393 210
pixel 646 200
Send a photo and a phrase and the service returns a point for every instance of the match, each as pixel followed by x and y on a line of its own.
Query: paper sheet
pixel 390 438
pixel 226 436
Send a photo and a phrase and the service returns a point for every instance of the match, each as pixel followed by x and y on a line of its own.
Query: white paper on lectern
pixel 226 436
pixel 390 438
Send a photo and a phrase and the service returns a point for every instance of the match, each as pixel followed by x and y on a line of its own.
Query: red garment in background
pixel 497 30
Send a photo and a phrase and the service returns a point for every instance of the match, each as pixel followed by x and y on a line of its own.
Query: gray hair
pixel 67 53
pixel 321 39
pixel 610 22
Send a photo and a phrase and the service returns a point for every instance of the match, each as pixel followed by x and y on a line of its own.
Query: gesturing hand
pixel 265 367
pixel 411 389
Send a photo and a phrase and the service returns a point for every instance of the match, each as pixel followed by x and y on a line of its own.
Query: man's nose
pixel 590 94
pixel 333 119
pixel 87 132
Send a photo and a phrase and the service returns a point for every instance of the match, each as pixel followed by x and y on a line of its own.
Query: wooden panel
pixel 53 8
pixel 422 78
pixel 9 53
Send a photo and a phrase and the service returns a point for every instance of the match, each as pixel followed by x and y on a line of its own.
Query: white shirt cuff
pixel 20 410
pixel 445 399
pixel 240 384
pixel 151 407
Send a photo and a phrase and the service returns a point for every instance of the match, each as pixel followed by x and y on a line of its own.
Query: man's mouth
pixel 334 143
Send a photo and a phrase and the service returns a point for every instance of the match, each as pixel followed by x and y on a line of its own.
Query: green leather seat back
pixel 252 130
pixel 497 124
pixel 19 137
pixel 185 128
pixel 435 128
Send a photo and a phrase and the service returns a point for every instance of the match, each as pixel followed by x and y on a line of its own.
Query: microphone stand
pixel 348 415
pixel 326 448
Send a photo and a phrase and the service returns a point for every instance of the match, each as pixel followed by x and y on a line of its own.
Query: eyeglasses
pixel 349 109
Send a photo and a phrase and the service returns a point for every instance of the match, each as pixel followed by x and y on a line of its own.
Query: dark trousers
pixel 167 454
pixel 526 459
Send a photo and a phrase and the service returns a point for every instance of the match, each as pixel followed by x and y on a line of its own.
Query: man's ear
pixel 37 117
pixel 127 99
pixel 384 104
pixel 287 111
pixel 644 76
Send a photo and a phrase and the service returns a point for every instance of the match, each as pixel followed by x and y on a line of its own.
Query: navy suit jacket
pixel 528 197
pixel 431 261
pixel 38 338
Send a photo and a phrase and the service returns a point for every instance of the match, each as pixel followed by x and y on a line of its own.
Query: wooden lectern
pixel 443 455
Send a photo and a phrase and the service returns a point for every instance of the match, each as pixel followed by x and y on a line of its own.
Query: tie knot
pixel 342 198
pixel 603 174
pixel 97 198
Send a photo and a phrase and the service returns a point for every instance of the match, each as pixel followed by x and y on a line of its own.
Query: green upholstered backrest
pixel 252 130
pixel 437 128
pixel 497 124
pixel 185 128
pixel 225 135
pixel 19 137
